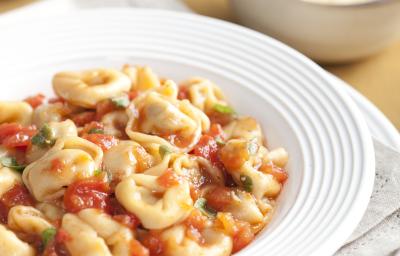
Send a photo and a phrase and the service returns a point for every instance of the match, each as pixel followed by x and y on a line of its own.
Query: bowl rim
pixel 369 3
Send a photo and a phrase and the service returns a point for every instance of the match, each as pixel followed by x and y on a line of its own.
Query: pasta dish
pixel 123 162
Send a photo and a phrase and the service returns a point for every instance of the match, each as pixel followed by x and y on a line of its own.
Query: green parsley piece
pixel 121 102
pixel 219 141
pixel 252 146
pixel 97 172
pixel 48 235
pixel 96 131
pixel 44 137
pixel 223 109
pixel 164 150
pixel 201 204
pixel 12 163
pixel 247 182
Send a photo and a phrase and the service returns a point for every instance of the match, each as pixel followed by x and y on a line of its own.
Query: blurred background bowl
pixel 326 32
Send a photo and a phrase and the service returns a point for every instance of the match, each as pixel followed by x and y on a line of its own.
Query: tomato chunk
pixel 36 100
pixel 17 195
pixel 279 174
pixel 87 193
pixel 219 197
pixel 216 132
pixel 14 135
pixel 121 215
pixel 168 179
pixel 104 107
pixel 83 118
pixel 243 236
pixel 183 92
pixel 196 219
pixel 154 243
pixel 207 147
pixel 57 246
pixel 102 140
pixel 133 94
pixel 92 127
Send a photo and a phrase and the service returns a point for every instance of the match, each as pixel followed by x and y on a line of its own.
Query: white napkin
pixel 379 231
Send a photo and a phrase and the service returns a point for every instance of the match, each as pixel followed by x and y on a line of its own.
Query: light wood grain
pixel 377 77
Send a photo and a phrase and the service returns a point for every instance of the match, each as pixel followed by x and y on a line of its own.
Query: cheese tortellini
pixel 15 112
pixel 86 88
pixel 216 243
pixel 160 119
pixel 123 162
pixel 137 194
pixel 78 159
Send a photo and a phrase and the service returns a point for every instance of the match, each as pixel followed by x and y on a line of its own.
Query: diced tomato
pixel 36 100
pixel 137 249
pixel 194 192
pixel 87 193
pixel 220 118
pixel 216 131
pixel 104 107
pixel 15 135
pixel 102 140
pixel 197 220
pixel 17 195
pixel 207 147
pixel 234 154
pixel 219 197
pixel 92 125
pixel 57 165
pixel 133 94
pixel 121 215
pixel 62 236
pixel 83 118
pixel 279 173
pixel 153 242
pixel 168 179
pixel 183 93
pixel 243 236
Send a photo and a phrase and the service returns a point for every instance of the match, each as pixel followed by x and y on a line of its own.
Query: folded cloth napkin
pixel 379 231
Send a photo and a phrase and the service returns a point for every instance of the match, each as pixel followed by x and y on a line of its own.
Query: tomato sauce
pixel 13 135
pixel 36 100
pixel 87 193
pixel 168 179
pixel 102 140
pixel 83 118
pixel 279 174
pixel 17 195
pixel 153 242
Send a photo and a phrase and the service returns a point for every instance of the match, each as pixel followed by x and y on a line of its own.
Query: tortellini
pixel 10 244
pixel 47 113
pixel 84 239
pixel 203 94
pixel 244 128
pixel 176 243
pixel 125 158
pixel 27 219
pixel 137 194
pixel 115 123
pixel 8 178
pixel 57 130
pixel 87 88
pixel 123 162
pixel 157 118
pixel 116 236
pixel 15 112
pixel 142 78
pixel 79 159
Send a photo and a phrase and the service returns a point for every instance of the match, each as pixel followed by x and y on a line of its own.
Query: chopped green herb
pixel 11 162
pixel 44 137
pixel 246 182
pixel 219 141
pixel 121 102
pixel 223 109
pixel 252 146
pixel 97 172
pixel 96 131
pixel 48 235
pixel 164 150
pixel 201 204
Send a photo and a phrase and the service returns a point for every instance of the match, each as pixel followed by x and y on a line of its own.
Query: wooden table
pixel 377 77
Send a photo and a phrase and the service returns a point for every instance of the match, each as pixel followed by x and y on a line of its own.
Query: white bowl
pixel 325 32
pixel 331 163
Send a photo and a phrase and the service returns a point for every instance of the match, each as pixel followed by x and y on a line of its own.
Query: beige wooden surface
pixel 377 77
